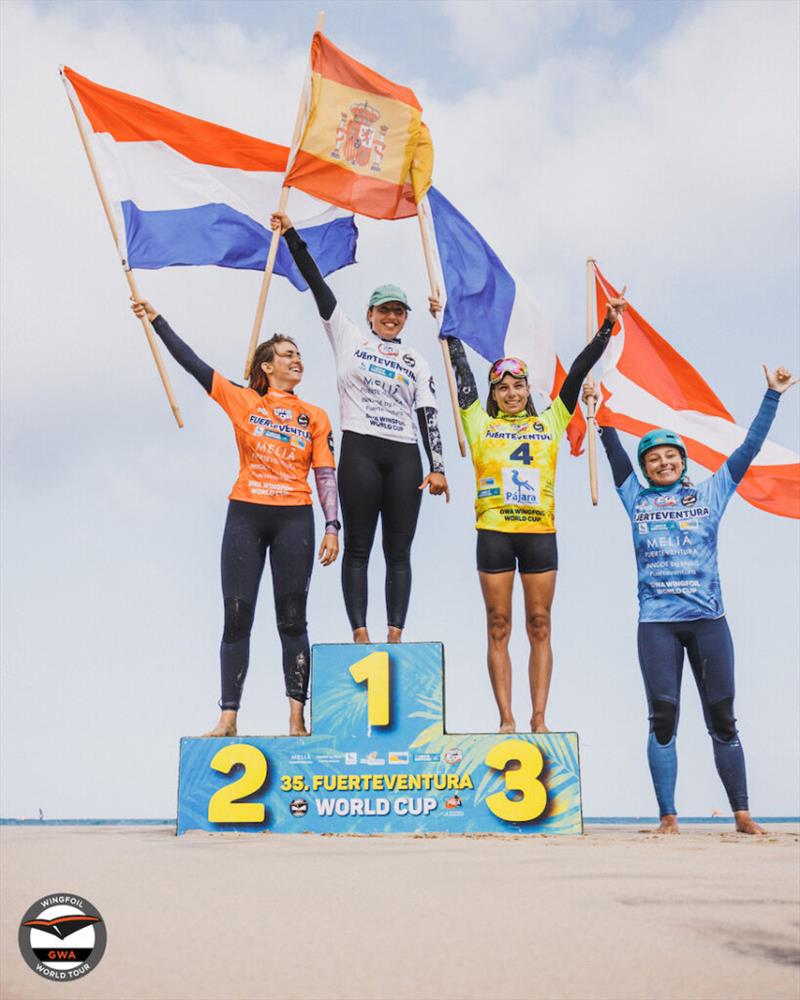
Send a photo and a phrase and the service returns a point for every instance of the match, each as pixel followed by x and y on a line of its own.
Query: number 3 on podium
pixel 525 779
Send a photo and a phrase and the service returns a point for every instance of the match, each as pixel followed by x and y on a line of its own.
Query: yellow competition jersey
pixel 515 467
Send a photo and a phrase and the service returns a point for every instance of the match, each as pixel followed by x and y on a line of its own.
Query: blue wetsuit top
pixel 675 529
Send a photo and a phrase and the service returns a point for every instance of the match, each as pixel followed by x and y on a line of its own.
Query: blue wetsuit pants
pixel 710 648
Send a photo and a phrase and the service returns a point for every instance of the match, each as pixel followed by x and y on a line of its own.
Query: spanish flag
pixel 363 146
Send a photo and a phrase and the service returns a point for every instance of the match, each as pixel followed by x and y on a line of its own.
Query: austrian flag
pixel 646 384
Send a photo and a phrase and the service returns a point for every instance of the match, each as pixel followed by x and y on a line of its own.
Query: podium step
pixel 378 761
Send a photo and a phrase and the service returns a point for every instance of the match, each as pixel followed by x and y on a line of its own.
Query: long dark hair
pixel 264 354
pixel 493 409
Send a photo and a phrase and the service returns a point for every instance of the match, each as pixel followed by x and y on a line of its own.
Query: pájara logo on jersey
pixel 62 936
pixel 521 487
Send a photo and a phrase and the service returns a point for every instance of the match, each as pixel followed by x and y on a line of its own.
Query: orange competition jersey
pixel 279 437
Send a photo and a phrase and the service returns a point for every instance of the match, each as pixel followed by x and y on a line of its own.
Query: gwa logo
pixel 62 936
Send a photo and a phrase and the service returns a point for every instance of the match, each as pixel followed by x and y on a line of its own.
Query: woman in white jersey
pixel 386 390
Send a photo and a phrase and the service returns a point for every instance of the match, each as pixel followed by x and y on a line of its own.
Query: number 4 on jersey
pixel 522 454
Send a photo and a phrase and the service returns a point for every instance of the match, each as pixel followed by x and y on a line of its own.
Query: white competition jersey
pixel 381 382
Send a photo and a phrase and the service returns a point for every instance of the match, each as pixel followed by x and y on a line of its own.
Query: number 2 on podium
pixel 374 669
pixel 224 807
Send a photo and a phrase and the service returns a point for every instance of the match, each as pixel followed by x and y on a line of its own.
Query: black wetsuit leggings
pixel 377 476
pixel 288 533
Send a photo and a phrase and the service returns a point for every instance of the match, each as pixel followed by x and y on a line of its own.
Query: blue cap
pixel 661 437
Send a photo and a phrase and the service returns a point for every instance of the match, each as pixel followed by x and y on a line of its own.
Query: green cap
pixel 388 293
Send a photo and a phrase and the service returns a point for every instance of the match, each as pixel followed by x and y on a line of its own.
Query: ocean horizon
pixel 588 821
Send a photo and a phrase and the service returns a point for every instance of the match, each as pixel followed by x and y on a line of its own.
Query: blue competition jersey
pixel 675 541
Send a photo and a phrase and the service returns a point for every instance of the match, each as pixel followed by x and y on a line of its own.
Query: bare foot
pixel 394 634
pixel 226 725
pixel 668 824
pixel 297 722
pixel 537 723
pixel 360 635
pixel 508 727
pixel 746 824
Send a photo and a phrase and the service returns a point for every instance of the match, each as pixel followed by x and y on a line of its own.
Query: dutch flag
pixel 186 191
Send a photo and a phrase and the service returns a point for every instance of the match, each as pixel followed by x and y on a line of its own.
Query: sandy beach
pixel 616 913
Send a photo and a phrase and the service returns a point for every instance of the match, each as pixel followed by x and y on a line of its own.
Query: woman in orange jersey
pixel 279 437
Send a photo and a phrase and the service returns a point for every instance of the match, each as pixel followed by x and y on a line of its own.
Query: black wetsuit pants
pixel 378 477
pixel 710 647
pixel 288 533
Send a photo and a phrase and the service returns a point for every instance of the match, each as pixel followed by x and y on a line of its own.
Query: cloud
pixel 676 152
pixel 495 38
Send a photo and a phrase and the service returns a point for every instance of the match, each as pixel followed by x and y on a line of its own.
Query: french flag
pixel 487 308
pixel 646 384
pixel 186 191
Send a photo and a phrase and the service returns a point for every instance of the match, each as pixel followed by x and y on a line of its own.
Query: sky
pixel 660 138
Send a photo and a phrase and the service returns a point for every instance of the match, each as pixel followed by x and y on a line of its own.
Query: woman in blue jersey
pixel 675 524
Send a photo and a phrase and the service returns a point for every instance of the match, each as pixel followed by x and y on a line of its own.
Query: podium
pixel 378 761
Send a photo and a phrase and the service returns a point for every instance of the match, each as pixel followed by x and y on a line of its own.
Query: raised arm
pixel 621 465
pixel 777 383
pixel 591 354
pixel 465 380
pixel 323 296
pixel 180 350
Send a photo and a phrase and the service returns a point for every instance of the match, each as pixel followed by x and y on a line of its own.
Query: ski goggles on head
pixel 507 366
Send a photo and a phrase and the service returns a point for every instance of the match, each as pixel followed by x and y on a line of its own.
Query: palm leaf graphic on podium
pixel 560 772
pixel 430 711
pixel 342 707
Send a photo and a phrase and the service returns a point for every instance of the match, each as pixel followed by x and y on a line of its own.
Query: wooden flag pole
pixel 276 233
pixel 448 367
pixel 591 329
pixel 148 329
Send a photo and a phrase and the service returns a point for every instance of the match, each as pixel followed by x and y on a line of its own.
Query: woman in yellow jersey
pixel 514 451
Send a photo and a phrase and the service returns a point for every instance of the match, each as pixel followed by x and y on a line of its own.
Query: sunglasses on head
pixel 507 366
